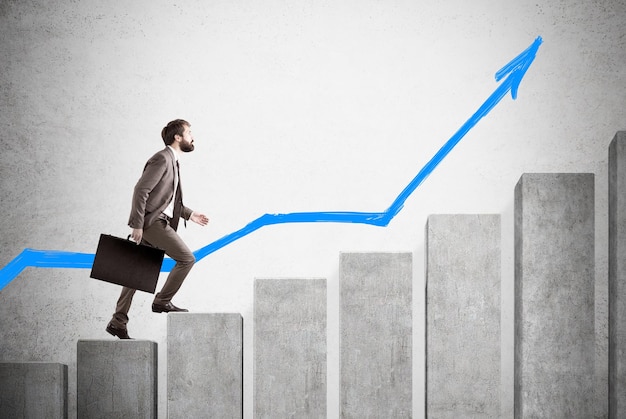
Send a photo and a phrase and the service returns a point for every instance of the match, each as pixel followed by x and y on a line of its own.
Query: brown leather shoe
pixel 115 331
pixel 168 308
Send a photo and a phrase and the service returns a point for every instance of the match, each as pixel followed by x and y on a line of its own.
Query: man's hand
pixel 199 218
pixel 137 235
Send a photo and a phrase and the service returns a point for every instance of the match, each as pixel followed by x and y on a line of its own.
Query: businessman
pixel 157 207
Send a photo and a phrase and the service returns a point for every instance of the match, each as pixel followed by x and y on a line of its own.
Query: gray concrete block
pixel 463 256
pixel 617 276
pixel 204 365
pixel 33 390
pixel 375 335
pixel 554 296
pixel 290 348
pixel 116 379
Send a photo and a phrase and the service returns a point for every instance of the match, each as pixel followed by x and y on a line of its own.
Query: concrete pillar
pixel 33 390
pixel 617 276
pixel 116 379
pixel 463 255
pixel 554 296
pixel 289 348
pixel 376 335
pixel 204 365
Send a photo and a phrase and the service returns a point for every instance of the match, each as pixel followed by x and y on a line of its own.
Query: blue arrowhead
pixel 517 68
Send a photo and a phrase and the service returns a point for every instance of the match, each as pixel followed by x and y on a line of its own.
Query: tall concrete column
pixel 617 276
pixel 116 379
pixel 376 335
pixel 33 390
pixel 290 348
pixel 463 316
pixel 204 365
pixel 554 296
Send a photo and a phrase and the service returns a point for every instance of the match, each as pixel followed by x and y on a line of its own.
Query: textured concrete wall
pixel 617 276
pixel 116 379
pixel 204 365
pixel 376 335
pixel 463 316
pixel 290 348
pixel 295 106
pixel 554 296
pixel 33 390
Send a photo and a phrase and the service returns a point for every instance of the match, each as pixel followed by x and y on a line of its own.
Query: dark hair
pixel 175 127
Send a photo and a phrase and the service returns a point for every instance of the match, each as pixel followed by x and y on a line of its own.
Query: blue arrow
pixel 514 72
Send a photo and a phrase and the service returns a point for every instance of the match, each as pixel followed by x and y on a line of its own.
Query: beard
pixel 186 147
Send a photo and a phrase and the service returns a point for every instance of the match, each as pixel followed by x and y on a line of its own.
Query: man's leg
pixel 117 325
pixel 161 235
pixel 120 318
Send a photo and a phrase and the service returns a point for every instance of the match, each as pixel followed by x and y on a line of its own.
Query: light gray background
pixel 295 106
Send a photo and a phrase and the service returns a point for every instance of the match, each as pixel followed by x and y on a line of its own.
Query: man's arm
pixel 152 174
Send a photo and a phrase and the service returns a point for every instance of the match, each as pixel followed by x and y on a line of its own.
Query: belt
pixel 165 217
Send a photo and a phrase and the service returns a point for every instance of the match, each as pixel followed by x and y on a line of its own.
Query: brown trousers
pixel 160 235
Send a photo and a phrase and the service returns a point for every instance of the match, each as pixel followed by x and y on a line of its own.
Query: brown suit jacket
pixel 155 190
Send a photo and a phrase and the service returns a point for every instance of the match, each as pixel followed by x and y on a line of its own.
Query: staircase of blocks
pixel 554 334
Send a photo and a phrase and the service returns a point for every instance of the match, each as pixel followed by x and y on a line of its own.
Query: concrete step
pixel 116 379
pixel 34 390
pixel 204 365
pixel 554 296
pixel 290 348
pixel 463 274
pixel 617 276
pixel 376 335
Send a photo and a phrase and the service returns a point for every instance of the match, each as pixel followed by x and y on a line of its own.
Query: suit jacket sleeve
pixel 186 213
pixel 152 173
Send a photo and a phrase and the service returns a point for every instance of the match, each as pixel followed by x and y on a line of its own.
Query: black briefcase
pixel 127 263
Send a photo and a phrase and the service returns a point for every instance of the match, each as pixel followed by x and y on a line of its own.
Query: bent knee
pixel 188 260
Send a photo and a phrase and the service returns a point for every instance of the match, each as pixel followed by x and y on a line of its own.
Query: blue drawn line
pixel 514 72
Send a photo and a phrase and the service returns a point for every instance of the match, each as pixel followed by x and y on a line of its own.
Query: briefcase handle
pixel 149 245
